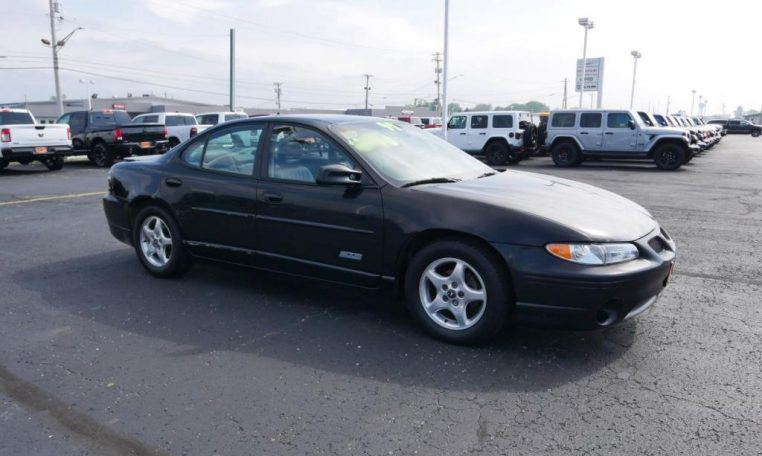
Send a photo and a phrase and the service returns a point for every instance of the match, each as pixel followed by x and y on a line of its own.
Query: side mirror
pixel 338 175
pixel 631 124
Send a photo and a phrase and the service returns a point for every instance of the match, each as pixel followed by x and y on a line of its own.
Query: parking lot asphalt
pixel 98 357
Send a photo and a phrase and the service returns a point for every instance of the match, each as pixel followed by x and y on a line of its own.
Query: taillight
pixel 194 131
pixel 166 133
pixel 5 135
pixel 68 133
pixel 118 136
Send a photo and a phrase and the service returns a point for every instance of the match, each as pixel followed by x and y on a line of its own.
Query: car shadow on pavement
pixel 335 329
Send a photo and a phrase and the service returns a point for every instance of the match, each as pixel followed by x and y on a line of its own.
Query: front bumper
pixel 30 153
pixel 125 149
pixel 552 292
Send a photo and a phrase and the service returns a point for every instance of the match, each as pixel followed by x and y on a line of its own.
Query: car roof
pixel 13 110
pixel 219 112
pixel 484 113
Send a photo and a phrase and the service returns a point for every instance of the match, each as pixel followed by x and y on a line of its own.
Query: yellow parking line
pixel 48 198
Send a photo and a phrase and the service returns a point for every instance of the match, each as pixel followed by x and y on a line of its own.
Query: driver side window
pixel 233 150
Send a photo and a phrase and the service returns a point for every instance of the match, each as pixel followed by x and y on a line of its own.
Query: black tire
pixel 669 157
pixel 755 133
pixel 566 154
pixel 493 274
pixel 55 163
pixel 4 163
pixel 497 154
pixel 102 156
pixel 173 142
pixel 179 259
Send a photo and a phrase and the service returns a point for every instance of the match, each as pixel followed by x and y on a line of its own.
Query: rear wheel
pixel 669 157
pixel 173 142
pixel 566 154
pixel 102 156
pixel 458 292
pixel 755 133
pixel 497 154
pixel 4 163
pixel 55 163
pixel 158 243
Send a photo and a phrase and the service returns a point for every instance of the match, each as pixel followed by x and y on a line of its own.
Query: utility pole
pixel 564 104
pixel 444 71
pixel 277 93
pixel 666 113
pixel 693 100
pixel 54 47
pixel 438 71
pixel 232 69
pixel 367 91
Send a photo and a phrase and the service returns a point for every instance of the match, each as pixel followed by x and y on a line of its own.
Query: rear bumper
pixel 553 292
pixel 133 148
pixel 118 217
pixel 21 153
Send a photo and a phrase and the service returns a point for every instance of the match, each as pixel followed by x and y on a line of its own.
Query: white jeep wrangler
pixel 501 136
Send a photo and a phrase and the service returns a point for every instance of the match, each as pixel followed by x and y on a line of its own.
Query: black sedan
pixel 377 203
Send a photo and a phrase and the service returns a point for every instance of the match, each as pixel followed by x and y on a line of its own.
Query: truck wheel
pixel 102 157
pixel 4 163
pixel 497 154
pixel 55 163
pixel 755 133
pixel 669 157
pixel 173 142
pixel 566 155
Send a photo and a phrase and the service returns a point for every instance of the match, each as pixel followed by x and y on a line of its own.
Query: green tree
pixel 452 108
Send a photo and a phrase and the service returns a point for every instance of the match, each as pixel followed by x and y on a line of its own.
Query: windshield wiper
pixel 487 174
pixel 433 180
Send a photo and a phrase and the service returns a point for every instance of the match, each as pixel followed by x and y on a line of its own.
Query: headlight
pixel 594 253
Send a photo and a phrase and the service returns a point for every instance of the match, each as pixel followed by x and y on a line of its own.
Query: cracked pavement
pixel 97 357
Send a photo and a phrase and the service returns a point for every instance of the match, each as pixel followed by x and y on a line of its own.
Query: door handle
pixel 609 133
pixel 462 134
pixel 583 133
pixel 272 197
pixel 173 182
pixel 482 134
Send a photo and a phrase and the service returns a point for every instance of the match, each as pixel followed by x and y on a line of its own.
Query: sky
pixel 501 51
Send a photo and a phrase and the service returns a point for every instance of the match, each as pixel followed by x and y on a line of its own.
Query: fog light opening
pixel 608 313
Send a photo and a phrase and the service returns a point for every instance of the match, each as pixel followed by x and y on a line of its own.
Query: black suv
pixel 739 126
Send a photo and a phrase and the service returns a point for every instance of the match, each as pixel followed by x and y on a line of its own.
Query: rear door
pixel 590 131
pixel 618 136
pixel 477 132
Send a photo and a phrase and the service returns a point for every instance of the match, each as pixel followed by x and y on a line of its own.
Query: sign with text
pixel 593 74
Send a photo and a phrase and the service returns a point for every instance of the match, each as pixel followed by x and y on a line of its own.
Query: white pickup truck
pixel 22 140
pixel 180 126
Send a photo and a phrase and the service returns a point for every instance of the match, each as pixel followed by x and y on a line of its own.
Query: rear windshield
pixel 109 118
pixel 502 121
pixel 15 118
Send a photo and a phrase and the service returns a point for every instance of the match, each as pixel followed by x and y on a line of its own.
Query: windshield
pixel 402 153
pixel 662 121
pixel 15 118
pixel 235 116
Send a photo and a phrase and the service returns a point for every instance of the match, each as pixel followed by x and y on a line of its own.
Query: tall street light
pixel 635 55
pixel 88 83
pixel 588 25
pixel 55 45
pixel 445 62
pixel 693 100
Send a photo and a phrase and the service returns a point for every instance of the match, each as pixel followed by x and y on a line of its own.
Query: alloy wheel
pixel 156 241
pixel 452 293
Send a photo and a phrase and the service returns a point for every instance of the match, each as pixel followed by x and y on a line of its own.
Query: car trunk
pixel 144 132
pixel 32 135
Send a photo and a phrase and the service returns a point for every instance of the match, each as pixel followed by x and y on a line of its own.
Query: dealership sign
pixel 593 75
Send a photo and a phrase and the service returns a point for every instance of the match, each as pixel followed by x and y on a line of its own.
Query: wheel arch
pixel 664 141
pixel 496 139
pixel 415 242
pixel 140 202
pixel 567 139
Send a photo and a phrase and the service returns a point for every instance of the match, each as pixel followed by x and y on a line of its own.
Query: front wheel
pixel 158 244
pixel 566 155
pixel 755 133
pixel 669 157
pixel 458 292
pixel 102 156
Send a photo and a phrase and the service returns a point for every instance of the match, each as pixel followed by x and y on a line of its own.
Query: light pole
pixel 635 55
pixel 55 45
pixel 88 83
pixel 588 25
pixel 445 62
pixel 701 97
pixel 693 100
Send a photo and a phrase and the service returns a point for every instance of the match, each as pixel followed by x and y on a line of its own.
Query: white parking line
pixel 49 198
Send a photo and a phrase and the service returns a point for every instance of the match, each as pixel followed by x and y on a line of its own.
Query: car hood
pixel 595 214
pixel 663 131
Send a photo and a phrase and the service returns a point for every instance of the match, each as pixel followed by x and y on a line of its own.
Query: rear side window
pixel 148 119
pixel 502 121
pixel 478 121
pixel 207 119
pixel 15 118
pixel 233 150
pixel 174 121
pixel 192 154
pixel 564 119
pixel 457 123
pixel 590 120
pixel 618 120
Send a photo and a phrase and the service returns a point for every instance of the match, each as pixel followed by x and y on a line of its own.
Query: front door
pixel 331 232
pixel 457 134
pixel 214 189
pixel 619 137
pixel 591 131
